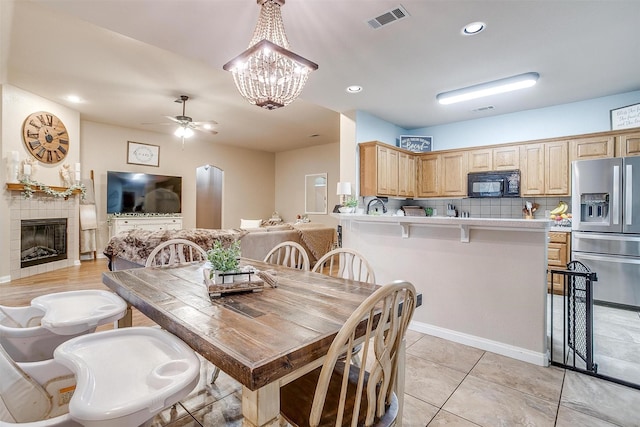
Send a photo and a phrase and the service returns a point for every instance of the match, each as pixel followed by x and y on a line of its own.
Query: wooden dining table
pixel 262 339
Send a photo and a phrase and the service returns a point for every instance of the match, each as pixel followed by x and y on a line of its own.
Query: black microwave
pixel 494 184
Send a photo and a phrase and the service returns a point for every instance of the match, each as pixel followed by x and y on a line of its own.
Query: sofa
pixel 130 249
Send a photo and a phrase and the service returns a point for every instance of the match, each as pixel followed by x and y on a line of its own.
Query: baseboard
pixel 519 353
pixel 5 279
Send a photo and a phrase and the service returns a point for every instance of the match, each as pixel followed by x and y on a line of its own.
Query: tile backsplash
pixel 481 208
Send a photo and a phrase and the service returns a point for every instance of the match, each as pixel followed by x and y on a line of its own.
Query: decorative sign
pixel 417 144
pixel 143 154
pixel 625 117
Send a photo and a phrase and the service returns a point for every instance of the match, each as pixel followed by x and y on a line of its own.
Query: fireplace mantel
pixel 20 187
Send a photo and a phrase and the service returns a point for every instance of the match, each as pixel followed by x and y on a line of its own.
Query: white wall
pixel 291 168
pixel 248 190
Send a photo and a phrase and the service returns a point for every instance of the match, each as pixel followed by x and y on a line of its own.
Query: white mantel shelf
pixel 465 224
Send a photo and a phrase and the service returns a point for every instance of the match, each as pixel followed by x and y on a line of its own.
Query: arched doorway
pixel 209 180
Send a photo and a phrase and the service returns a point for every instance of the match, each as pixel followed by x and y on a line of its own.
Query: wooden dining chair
pixel 174 252
pixel 346 264
pixel 289 254
pixel 341 394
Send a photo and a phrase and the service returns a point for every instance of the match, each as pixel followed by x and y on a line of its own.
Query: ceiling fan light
pixel 272 75
pixel 183 132
pixel 521 81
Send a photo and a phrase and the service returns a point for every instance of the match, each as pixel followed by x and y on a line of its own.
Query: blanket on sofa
pixel 136 245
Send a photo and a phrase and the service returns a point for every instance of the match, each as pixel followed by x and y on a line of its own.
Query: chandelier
pixel 268 74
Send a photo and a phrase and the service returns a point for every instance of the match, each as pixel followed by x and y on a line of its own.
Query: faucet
pixel 376 200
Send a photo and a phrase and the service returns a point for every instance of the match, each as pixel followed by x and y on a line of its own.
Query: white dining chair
pixel 340 393
pixel 31 333
pixel 346 264
pixel 174 252
pixel 289 254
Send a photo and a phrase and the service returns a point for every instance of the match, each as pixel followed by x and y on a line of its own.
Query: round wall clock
pixel 45 137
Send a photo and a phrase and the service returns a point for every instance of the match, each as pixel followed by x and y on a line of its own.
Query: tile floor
pixel 456 385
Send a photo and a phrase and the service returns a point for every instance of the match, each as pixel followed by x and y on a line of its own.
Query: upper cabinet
pixel 545 165
pixel 386 171
pixel 596 147
pixel 442 174
pixel 628 145
pixel 493 159
pixel 544 169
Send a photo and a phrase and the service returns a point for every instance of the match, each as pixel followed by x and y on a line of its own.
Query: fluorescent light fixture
pixel 508 84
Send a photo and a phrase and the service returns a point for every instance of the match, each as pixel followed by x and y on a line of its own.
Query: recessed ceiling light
pixel 473 28
pixel 74 98
pixel 354 89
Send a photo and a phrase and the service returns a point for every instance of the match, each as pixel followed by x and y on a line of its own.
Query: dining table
pixel 261 339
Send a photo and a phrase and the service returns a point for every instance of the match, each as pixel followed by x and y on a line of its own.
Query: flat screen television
pixel 131 192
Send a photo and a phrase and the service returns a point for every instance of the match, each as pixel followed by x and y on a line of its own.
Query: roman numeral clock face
pixel 46 137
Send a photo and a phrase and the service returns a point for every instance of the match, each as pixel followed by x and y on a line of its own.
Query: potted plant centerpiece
pixel 223 260
pixel 349 205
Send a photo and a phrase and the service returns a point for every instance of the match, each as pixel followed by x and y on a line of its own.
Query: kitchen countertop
pixel 533 224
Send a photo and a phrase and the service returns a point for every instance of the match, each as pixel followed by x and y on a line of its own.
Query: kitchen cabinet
pixel 156 223
pixel 442 175
pixel 406 175
pixel 628 145
pixel 454 173
pixel 480 160
pixel 428 175
pixel 558 255
pixel 506 158
pixel 596 147
pixel 494 159
pixel 386 170
pixel 544 169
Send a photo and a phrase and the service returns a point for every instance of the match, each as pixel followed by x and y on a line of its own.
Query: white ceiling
pixel 130 59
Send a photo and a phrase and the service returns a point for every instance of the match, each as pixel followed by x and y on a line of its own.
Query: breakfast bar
pixel 483 280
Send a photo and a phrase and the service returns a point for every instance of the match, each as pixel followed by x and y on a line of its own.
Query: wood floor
pixel 88 275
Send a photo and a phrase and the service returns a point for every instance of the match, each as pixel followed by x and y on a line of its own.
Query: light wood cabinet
pixel 480 160
pixel 454 174
pixel 506 158
pixel 406 175
pixel 386 171
pixel 558 255
pixel 494 159
pixel 628 145
pixel 597 147
pixel 544 169
pixel 428 175
pixel 442 175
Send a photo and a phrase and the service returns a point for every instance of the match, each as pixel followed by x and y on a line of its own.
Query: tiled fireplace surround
pixel 43 206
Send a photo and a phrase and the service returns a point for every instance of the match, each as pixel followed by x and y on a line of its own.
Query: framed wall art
pixel 625 117
pixel 417 144
pixel 143 154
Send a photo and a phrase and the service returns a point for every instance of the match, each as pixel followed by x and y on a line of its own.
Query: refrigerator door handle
pixel 628 197
pixel 616 195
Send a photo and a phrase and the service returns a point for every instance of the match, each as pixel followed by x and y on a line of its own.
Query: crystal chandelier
pixel 268 74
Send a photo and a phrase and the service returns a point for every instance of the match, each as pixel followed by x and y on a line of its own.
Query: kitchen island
pixel 483 281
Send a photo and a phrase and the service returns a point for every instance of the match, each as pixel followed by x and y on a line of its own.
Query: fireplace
pixel 42 241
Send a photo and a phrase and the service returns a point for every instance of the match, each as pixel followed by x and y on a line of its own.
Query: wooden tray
pixel 254 285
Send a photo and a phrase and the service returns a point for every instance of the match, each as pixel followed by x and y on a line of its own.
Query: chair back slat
pixel 382 324
pixel 175 252
pixel 289 254
pixel 346 264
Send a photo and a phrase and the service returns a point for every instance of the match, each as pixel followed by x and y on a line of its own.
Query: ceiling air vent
pixel 388 17
pixel 488 107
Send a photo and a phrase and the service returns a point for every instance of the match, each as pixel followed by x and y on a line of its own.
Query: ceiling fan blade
pixel 211 131
pixel 174 119
pixel 206 122
pixel 159 123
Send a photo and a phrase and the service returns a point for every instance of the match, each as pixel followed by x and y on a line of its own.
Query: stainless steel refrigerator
pixel 606 226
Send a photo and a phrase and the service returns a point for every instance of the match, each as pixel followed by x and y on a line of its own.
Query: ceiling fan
pixel 186 125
